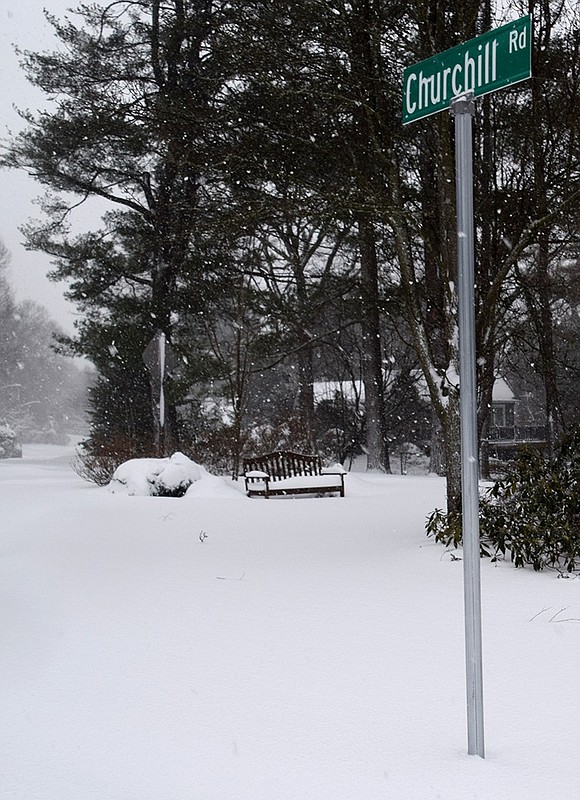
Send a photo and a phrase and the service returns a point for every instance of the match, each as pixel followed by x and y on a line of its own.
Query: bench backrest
pixel 284 464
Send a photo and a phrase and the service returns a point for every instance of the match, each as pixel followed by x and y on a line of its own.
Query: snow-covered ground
pixel 213 647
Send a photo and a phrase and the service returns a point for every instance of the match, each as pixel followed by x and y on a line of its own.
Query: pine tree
pixel 136 122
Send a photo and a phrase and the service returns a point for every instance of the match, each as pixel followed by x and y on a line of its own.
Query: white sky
pixel 22 23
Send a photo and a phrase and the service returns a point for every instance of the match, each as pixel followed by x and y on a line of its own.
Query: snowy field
pixel 218 648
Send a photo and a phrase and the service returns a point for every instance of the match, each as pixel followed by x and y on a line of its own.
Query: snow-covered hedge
pixel 9 447
pixel 159 477
pixel 169 477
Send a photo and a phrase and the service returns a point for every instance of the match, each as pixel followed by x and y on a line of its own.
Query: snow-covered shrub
pixel 9 446
pixel 533 513
pixel 157 477
pixel 177 476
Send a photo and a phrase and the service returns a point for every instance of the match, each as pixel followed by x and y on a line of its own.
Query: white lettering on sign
pixel 476 70
pixel 455 86
pixel 517 40
pixel 411 106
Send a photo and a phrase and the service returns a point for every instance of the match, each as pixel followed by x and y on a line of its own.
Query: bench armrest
pixel 254 477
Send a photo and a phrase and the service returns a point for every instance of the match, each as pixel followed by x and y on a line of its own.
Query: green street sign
pixel 491 61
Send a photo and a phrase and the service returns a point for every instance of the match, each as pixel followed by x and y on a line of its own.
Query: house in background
pixel 512 423
pixel 509 425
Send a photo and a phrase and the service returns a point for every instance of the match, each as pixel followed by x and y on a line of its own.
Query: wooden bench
pixel 285 473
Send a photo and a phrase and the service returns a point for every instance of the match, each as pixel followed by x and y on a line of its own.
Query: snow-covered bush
pixel 533 513
pixel 158 477
pixel 9 447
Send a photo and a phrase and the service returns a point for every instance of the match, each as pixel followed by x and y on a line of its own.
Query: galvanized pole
pixel 162 343
pixel 463 109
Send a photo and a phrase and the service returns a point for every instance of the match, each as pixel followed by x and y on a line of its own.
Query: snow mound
pixel 212 486
pixel 165 477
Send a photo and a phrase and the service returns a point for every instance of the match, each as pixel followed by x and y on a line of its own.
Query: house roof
pixel 327 390
pixel 502 392
pixel 351 390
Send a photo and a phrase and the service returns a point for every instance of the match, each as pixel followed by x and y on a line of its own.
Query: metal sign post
pixel 463 109
pixel 161 356
pixel 160 360
pixel 498 58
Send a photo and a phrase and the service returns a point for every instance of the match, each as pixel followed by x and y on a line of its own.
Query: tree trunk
pixel 452 439
pixel 366 73
pixel 445 458
pixel 306 396
pixel 543 316
pixel 546 343
pixel 376 440
pixel 437 453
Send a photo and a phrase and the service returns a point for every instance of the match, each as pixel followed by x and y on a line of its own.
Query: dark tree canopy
pixel 267 210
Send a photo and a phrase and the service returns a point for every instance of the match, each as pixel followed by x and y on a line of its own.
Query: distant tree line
pixel 271 216
pixel 43 395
